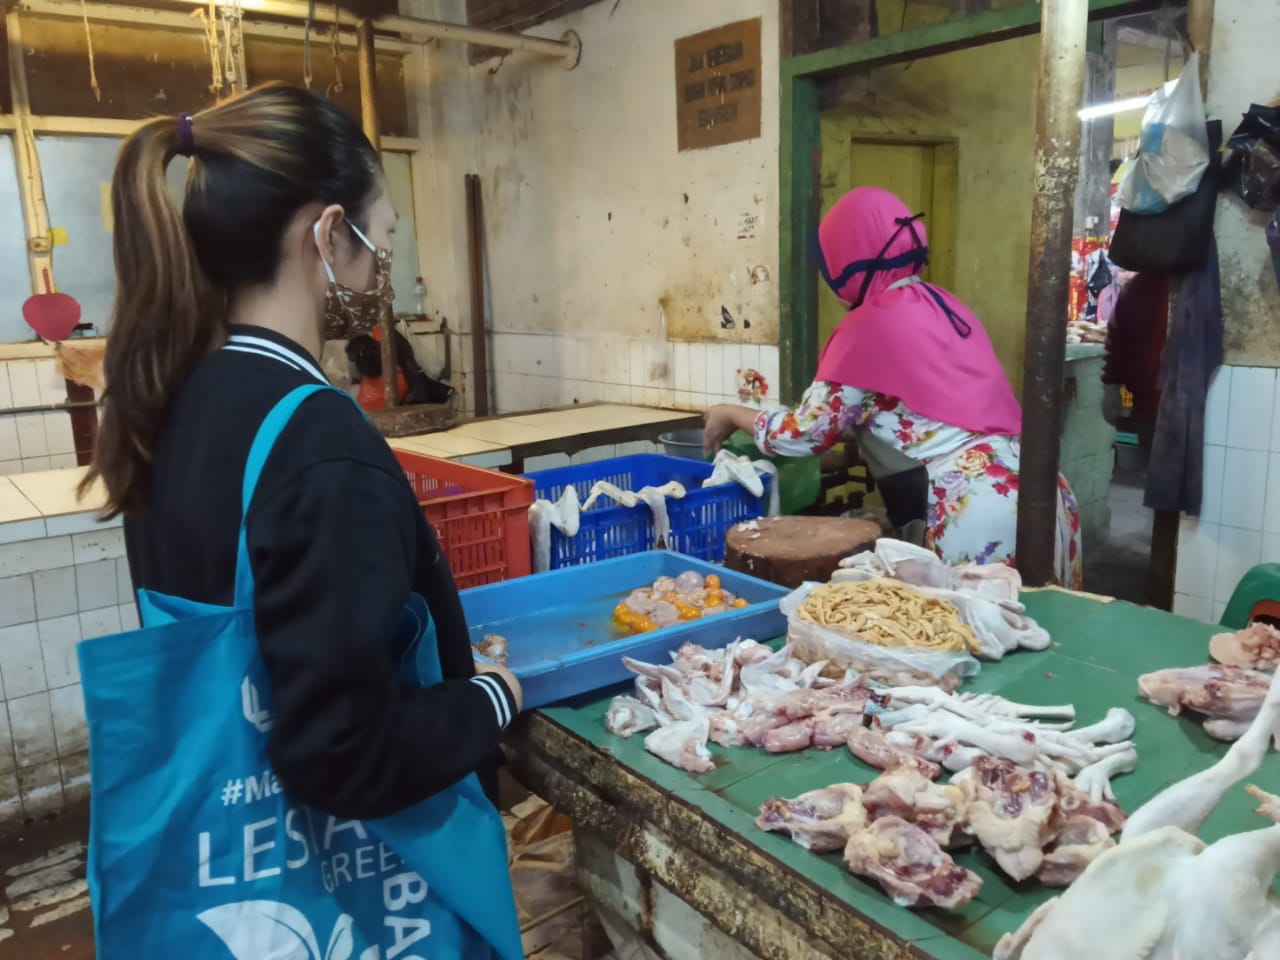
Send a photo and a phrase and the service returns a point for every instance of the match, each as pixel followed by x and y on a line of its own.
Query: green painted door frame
pixel 800 161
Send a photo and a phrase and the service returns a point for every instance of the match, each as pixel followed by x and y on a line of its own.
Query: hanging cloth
pixel 915 341
pixel 1192 355
pixel 195 850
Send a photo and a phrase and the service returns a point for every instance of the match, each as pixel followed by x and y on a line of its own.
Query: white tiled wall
pixel 33 441
pixel 1239 522
pixel 54 592
pixel 532 371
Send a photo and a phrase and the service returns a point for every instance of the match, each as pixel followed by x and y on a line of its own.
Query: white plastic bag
pixel 1174 147
pixel 897 666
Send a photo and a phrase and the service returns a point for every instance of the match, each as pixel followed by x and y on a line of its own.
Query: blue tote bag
pixel 196 851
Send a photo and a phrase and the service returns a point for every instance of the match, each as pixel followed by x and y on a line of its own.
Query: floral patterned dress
pixel 973 488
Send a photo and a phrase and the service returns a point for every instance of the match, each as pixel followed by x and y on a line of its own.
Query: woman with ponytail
pixel 290 746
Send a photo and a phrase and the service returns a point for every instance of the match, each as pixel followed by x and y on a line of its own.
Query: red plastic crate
pixel 481 517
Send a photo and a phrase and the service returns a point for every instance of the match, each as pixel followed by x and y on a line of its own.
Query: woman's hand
pixel 721 421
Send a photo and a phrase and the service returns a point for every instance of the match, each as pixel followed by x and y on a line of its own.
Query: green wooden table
pixel 695 835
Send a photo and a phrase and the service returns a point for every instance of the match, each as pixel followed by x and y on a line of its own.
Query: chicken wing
pixel 683 744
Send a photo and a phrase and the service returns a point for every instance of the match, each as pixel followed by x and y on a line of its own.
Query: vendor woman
pixel 911 373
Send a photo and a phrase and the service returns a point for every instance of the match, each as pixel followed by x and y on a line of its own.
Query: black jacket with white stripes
pixel 337 543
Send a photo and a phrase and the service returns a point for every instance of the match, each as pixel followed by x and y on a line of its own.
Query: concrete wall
pixel 1242 70
pixel 61 580
pixel 985 99
pixel 1239 524
pixel 606 246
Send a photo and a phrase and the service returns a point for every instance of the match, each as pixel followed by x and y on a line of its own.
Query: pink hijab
pixel 915 342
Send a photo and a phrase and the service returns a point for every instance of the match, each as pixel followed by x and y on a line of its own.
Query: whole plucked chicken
pixel 1163 894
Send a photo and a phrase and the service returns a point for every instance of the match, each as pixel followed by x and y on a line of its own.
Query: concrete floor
pixel 1118 568
pixel 44 907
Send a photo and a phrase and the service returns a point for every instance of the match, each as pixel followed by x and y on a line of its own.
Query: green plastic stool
pixel 1257 594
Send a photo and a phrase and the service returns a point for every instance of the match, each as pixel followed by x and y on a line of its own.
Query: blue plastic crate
pixel 699 521
pixel 559 625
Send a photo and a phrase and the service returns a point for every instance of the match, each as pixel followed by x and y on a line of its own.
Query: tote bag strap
pixel 263 444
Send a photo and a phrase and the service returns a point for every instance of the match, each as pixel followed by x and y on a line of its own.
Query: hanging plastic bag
pixel 1173 149
pixel 1273 241
pixel 1253 166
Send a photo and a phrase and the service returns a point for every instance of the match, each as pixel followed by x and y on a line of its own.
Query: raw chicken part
pixel 731 468
pixel 1096 778
pixel 820 820
pixel 655 498
pixel 494 647
pixel 1020 747
pixel 1080 841
pixel 1117 726
pixel 994 581
pixel 1162 894
pixel 1082 831
pixel 906 793
pixel 1218 692
pixel 788 738
pixel 998 706
pixel 909 865
pixel 1256 647
pixel 682 744
pixel 1225 728
pixel 1010 812
pixel 628 715
pixel 565 515
pixel 871 747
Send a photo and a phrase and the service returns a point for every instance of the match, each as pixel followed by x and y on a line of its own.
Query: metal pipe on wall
pixel 475 262
pixel 367 70
pixel 1063 35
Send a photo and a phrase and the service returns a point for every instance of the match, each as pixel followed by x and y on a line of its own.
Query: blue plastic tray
pixel 699 520
pixel 559 625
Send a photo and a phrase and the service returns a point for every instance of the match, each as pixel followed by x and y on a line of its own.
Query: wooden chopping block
pixel 791 550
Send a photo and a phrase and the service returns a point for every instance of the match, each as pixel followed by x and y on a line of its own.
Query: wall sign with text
pixel 718 86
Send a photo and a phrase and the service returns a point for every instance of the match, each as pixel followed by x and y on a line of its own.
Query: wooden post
pixel 367 67
pixel 1063 31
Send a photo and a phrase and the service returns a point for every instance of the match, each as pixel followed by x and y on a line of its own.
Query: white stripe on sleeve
pixel 496 694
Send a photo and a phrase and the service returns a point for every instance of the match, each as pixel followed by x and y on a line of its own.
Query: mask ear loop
pixel 362 238
pixel 328 270
pixel 958 323
pixel 870 274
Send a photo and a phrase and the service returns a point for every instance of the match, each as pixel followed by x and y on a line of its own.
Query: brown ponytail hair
pixel 255 162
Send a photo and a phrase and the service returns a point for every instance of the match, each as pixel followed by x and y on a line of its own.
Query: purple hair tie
pixel 186 137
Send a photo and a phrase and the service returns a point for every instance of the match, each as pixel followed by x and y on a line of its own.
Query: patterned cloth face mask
pixel 347 312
